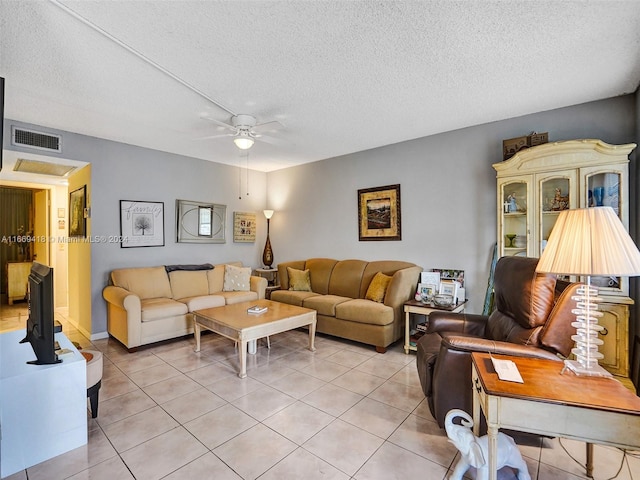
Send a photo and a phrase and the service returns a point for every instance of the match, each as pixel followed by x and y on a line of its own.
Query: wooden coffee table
pixel 233 321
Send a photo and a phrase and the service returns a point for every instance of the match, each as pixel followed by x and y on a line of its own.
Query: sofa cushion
pixel 157 308
pixel 346 278
pixel 299 280
pixel 145 282
pixel 291 297
pixel 320 270
pixel 188 283
pixel 236 279
pixel 201 302
pixel 365 311
pixel 216 279
pixel 324 304
pixel 237 297
pixel 378 287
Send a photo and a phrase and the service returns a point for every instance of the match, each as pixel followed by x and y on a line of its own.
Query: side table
pixel 549 402
pixel 271 274
pixel 415 306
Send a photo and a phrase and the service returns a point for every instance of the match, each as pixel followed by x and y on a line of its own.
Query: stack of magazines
pixel 256 310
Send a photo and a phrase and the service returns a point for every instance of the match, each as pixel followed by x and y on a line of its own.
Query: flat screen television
pixel 40 324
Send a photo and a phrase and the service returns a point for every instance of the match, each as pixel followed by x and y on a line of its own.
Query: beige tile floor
pixel 343 412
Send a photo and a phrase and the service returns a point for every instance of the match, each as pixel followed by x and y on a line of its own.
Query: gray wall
pixel 447 187
pixel 125 172
pixel 447 192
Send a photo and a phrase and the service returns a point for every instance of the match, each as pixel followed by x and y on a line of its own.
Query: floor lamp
pixel 589 242
pixel 267 254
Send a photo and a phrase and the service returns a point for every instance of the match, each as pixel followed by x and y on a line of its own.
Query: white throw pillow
pixel 236 279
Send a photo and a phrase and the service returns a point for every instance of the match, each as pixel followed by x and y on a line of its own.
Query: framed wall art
pixel 77 206
pixel 141 224
pixel 199 222
pixel 244 227
pixel 379 213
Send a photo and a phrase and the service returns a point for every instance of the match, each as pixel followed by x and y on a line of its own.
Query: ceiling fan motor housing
pixel 243 121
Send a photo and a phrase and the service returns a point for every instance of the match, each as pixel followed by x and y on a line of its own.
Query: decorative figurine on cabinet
pixel 513 206
pixel 560 202
pixel 474 450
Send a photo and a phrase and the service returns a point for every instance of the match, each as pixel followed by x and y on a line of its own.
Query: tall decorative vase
pixel 267 255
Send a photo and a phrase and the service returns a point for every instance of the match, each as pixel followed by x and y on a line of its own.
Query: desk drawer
pixel 478 390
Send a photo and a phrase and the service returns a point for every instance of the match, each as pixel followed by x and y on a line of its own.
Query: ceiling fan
pixel 246 130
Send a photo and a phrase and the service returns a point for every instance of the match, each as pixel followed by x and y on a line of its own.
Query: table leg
pixel 312 336
pixel 196 334
pixel 492 433
pixel 476 412
pixel 407 339
pixel 242 352
pixel 252 347
pixel 590 460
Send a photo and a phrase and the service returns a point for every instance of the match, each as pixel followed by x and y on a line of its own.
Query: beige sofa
pixel 149 304
pixel 338 291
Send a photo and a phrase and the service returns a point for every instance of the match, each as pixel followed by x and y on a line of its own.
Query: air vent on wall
pixel 42 168
pixel 32 139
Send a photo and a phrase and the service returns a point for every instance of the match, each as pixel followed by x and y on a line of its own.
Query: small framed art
pixel 244 227
pixel 141 224
pixel 77 205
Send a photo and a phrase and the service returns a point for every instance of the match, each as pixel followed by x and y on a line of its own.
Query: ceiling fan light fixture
pixel 243 141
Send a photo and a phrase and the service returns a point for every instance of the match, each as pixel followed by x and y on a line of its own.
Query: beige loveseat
pixel 149 304
pixel 338 291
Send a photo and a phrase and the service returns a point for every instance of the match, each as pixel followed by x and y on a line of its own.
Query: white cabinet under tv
pixel 43 408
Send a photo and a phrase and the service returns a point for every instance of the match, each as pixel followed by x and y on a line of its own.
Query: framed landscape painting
pixel 379 213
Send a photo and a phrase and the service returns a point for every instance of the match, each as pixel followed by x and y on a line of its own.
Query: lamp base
pixel 596 371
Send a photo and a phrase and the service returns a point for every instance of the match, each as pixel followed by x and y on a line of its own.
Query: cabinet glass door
pixel 555 196
pixel 514 219
pixel 603 189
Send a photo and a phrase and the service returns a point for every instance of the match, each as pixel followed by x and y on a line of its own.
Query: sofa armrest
pixel 476 344
pixel 457 323
pixel 402 287
pixel 121 298
pixel 124 315
pixel 259 285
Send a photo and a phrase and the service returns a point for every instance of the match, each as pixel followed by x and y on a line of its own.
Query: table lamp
pixel 267 254
pixel 588 242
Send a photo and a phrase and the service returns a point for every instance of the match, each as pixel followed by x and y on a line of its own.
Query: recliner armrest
pixel 470 343
pixel 471 324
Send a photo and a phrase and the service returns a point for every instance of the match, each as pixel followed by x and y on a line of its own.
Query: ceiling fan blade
pixel 271 140
pixel 218 122
pixel 210 137
pixel 268 127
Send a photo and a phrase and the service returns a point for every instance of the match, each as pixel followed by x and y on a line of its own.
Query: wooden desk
pixel 589 409
pixel 415 306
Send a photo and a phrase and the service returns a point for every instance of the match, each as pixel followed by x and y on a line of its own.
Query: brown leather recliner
pixel 531 319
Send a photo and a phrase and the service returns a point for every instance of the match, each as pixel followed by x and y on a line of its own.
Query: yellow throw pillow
pixel 299 280
pixel 378 287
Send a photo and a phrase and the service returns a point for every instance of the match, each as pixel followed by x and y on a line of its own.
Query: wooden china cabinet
pixel 536 184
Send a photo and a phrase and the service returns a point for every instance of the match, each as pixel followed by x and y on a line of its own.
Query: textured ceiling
pixel 342 76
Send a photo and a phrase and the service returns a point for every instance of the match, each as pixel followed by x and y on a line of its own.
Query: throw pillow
pixel 236 279
pixel 299 280
pixel 378 287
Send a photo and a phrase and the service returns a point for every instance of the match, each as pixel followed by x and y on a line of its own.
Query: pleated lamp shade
pixel 590 241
